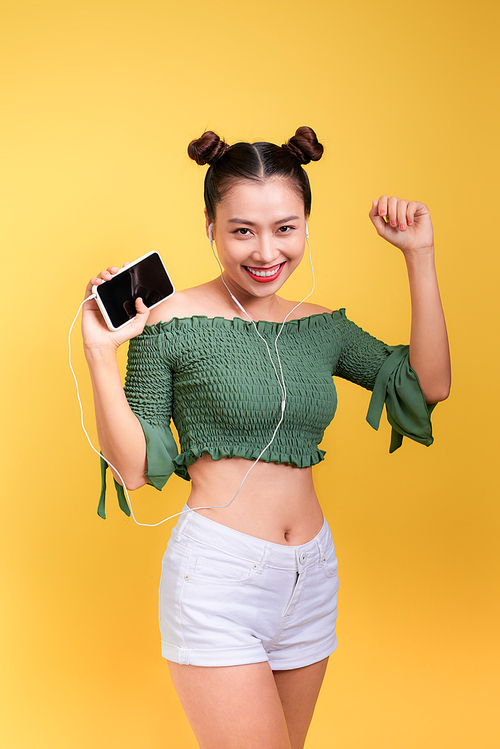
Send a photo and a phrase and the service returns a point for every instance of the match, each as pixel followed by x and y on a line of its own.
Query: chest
pixel 237 379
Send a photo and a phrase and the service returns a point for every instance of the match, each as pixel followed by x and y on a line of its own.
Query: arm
pixel 409 227
pixel 121 437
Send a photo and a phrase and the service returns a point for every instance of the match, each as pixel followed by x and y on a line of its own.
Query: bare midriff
pixel 277 502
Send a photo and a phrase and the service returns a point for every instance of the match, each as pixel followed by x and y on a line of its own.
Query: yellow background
pixel 98 102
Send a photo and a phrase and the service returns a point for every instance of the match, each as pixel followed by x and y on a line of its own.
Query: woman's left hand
pixel 405 224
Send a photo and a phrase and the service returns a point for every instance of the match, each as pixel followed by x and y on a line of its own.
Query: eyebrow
pixel 251 223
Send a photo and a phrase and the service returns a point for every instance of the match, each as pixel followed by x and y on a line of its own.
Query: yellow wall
pixel 99 100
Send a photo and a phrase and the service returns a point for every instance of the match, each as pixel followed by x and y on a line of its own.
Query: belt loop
pixel 322 558
pixel 183 521
pixel 260 566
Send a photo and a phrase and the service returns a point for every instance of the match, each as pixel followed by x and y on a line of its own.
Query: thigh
pixel 232 707
pixel 298 689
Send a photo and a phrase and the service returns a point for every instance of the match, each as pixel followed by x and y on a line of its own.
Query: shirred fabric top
pixel 213 377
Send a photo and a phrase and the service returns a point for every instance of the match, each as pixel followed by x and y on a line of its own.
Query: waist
pixel 213 534
pixel 276 502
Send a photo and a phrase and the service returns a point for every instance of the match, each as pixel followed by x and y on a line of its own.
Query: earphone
pixel 280 378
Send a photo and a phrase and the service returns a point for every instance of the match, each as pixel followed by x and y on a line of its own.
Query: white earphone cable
pixel 280 378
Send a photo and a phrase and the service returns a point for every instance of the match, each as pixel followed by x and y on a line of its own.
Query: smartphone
pixel 147 278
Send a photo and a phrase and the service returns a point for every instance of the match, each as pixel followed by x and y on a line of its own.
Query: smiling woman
pixel 266 244
pixel 249 580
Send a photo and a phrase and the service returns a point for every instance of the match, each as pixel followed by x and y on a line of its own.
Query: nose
pixel 266 251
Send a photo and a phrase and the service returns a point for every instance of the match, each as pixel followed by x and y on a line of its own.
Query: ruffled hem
pixel 161 464
pixel 187 458
pixel 238 323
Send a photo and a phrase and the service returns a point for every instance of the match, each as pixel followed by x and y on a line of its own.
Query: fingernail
pixel 402 226
pixel 382 212
pixel 394 223
pixel 410 223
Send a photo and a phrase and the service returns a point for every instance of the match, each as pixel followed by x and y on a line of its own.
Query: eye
pixel 285 229
pixel 243 232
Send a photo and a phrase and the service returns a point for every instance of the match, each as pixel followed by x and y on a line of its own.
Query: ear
pixel 207 223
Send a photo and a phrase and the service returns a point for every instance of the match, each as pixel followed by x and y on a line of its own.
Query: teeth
pixel 264 273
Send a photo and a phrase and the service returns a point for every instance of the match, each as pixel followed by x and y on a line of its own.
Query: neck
pixel 269 307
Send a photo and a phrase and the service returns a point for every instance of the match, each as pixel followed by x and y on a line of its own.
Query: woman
pixel 249 587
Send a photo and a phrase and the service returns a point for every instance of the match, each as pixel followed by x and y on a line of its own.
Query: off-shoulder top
pixel 214 379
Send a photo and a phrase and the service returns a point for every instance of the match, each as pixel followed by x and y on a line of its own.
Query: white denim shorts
pixel 227 598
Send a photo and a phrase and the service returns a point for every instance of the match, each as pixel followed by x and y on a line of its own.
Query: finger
pixel 141 307
pixel 108 274
pixel 382 205
pixel 401 209
pixel 142 315
pixel 96 281
pixel 392 211
pixel 376 219
pixel 421 210
pixel 410 212
pixel 104 275
pixel 374 209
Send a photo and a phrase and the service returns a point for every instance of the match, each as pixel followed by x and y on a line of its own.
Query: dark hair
pixel 254 161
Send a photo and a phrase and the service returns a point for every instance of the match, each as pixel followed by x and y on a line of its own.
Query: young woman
pixel 249 587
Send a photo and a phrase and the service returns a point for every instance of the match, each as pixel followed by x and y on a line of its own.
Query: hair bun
pixel 304 145
pixel 207 149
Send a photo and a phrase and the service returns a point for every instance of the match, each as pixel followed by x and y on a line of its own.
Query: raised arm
pixel 408 226
pixel 121 437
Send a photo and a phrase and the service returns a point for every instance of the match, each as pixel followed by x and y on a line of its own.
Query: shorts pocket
pixel 218 570
pixel 218 567
pixel 331 570
pixel 329 562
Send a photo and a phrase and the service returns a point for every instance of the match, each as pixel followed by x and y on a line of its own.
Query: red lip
pixel 264 279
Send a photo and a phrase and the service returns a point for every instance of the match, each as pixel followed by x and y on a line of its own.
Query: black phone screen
pixel 147 279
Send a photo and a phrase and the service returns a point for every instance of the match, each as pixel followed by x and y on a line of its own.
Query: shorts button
pixel 303 557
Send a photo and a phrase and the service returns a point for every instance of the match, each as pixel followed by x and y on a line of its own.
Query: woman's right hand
pixel 97 337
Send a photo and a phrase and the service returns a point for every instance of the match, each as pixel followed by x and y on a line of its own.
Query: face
pixel 259 232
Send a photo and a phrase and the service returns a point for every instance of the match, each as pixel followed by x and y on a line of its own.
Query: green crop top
pixel 213 377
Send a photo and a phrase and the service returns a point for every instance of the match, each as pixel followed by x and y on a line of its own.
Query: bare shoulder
pixel 307 309
pixel 187 303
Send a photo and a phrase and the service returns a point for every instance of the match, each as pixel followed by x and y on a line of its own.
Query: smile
pixel 264 275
